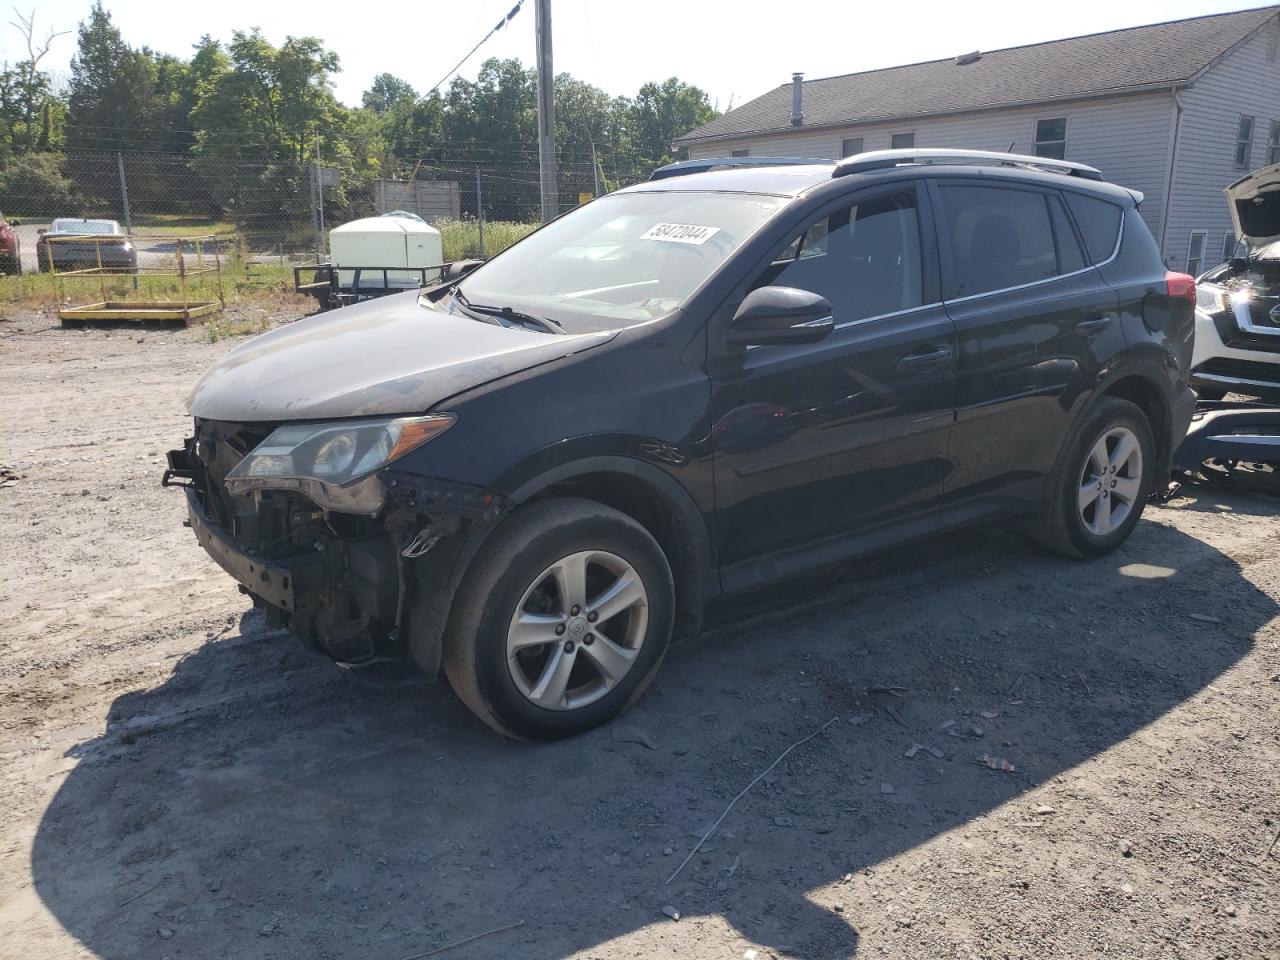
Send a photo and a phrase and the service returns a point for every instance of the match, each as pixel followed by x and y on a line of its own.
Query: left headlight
pixel 332 462
pixel 1211 298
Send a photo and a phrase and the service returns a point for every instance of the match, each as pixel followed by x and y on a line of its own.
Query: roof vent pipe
pixel 967 58
pixel 797 99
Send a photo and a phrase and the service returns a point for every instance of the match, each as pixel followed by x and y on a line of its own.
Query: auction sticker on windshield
pixel 680 233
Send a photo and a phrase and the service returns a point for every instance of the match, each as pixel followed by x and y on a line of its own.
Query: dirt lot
pixel 179 781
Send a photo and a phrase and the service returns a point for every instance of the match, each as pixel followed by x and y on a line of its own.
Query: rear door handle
pixel 1087 328
pixel 925 357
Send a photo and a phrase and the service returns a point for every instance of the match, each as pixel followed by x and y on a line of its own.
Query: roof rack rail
pixel 884 159
pixel 683 167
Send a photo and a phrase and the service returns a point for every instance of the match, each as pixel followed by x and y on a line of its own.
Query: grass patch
pixel 217 328
pixel 242 282
pixel 180 225
pixel 462 237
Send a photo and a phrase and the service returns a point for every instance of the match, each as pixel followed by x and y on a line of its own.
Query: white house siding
pixel 1127 138
pixel 1246 81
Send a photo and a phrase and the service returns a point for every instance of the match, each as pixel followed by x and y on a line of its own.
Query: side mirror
pixel 781 315
pixel 42 231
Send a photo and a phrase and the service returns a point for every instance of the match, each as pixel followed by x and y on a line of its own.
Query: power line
pixel 501 23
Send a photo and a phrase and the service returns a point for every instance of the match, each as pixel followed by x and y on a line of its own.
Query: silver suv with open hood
pixel 1237 346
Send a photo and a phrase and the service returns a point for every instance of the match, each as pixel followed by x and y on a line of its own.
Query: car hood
pixel 385 356
pixel 1254 201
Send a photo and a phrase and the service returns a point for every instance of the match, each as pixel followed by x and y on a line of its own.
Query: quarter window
pixel 1099 224
pixel 902 141
pixel 1244 142
pixel 865 259
pixel 850 146
pixel 1195 252
pixel 1273 143
pixel 1051 138
pixel 1000 238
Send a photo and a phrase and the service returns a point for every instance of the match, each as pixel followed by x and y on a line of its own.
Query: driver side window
pixel 864 259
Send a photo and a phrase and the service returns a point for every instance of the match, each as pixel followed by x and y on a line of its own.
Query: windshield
pixel 85 226
pixel 622 259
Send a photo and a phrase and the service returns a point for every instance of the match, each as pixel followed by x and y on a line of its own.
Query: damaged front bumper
pixel 355 586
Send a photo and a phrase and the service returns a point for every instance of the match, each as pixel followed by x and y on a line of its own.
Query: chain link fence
pixel 273 210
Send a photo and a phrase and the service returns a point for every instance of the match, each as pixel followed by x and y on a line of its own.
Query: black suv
pixel 535 473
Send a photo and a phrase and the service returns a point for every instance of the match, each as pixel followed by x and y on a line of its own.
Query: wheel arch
pixel 655 501
pixel 1144 391
pixel 643 492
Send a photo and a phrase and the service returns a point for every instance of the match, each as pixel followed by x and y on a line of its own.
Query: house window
pixel 1244 142
pixel 902 141
pixel 1195 252
pixel 1273 144
pixel 1228 246
pixel 1051 138
pixel 850 145
pixel 740 153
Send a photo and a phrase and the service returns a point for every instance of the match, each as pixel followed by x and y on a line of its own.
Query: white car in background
pixel 1237 347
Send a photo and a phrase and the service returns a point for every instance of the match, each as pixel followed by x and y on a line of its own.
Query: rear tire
pixel 10 265
pixel 1095 495
pixel 538 658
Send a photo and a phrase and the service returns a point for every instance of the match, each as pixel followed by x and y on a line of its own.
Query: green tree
pixel 386 91
pixel 496 116
pixel 261 122
pixel 113 102
pixel 663 111
pixel 25 93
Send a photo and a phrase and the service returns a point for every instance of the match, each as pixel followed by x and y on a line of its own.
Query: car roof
pixel 74 220
pixel 795 180
pixel 788 180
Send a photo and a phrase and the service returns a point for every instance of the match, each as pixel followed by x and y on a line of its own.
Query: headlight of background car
pixel 1210 298
pixel 333 463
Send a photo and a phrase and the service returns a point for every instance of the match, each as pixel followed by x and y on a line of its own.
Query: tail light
pixel 1180 286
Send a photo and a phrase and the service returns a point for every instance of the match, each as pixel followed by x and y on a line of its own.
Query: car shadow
pixel 263 801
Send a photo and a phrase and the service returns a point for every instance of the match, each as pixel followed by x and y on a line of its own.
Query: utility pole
pixel 595 171
pixel 124 194
pixel 546 114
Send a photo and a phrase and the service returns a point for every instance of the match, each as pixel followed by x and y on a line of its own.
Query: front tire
pixel 563 621
pixel 1096 493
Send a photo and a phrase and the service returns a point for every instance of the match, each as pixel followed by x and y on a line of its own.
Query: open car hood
pixel 385 356
pixel 1254 201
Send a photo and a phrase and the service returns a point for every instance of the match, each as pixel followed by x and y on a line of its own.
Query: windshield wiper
pixel 508 314
pixel 471 311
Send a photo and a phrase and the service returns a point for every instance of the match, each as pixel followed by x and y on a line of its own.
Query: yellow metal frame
pixel 141 310
pixel 184 309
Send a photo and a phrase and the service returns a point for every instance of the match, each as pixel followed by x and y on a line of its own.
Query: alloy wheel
pixel 1111 481
pixel 577 630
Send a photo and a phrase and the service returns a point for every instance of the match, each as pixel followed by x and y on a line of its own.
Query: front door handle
pixel 925 357
pixel 1087 328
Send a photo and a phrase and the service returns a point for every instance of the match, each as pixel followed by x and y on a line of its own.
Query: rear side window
pixel 998 238
pixel 1099 223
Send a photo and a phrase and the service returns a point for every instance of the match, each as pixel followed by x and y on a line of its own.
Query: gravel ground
pixel 181 781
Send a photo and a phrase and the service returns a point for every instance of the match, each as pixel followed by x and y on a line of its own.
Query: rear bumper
pixel 1184 408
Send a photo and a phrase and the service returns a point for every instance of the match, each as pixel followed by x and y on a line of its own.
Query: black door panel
pixel 1034 327
pixel 817 442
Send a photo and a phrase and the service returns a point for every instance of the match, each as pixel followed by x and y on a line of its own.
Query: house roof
pixel 1137 58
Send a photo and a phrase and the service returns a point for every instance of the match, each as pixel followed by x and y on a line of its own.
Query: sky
pixel 733 49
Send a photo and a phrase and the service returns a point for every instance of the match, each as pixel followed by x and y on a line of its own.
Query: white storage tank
pixel 395 239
